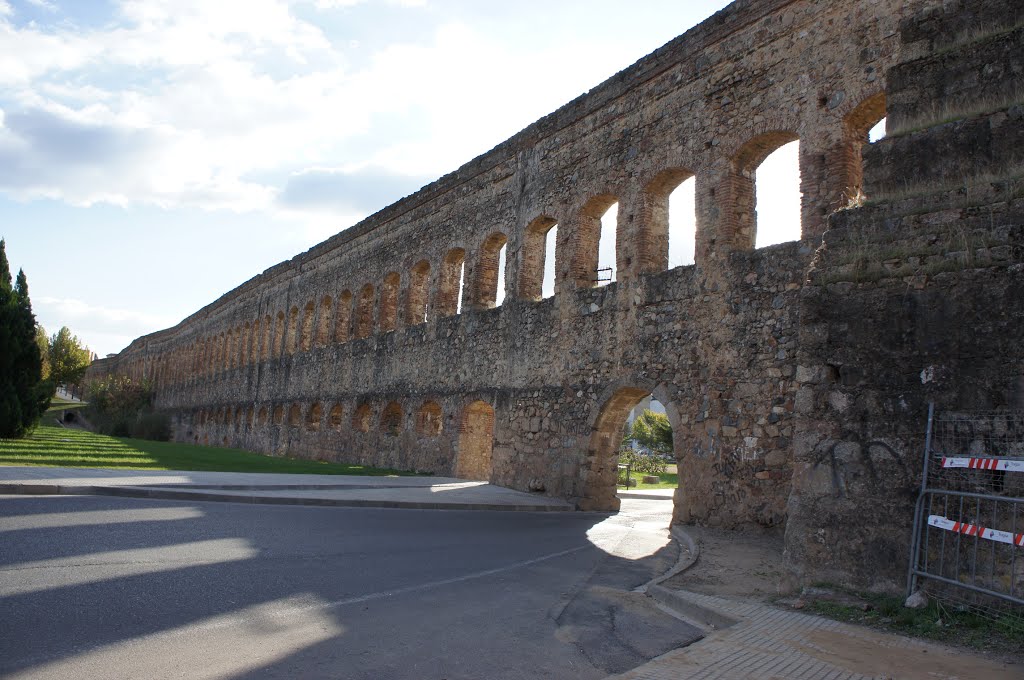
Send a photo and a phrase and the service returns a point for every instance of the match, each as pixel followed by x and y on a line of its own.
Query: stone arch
pixel 531 264
pixel 741 224
pixel 362 417
pixel 429 419
pixel 314 417
pixel 293 331
pixel 586 237
pixel 279 414
pixel 323 326
pixel 389 302
pixel 308 316
pixel 228 361
pixel 487 270
pixel 265 343
pixel 856 126
pixel 418 294
pixel 294 415
pixel 343 317
pixel 653 238
pixel 450 283
pixel 476 442
pixel 334 418
pixel 250 415
pixel 278 347
pixel 391 419
pixel 600 473
pixel 246 349
pixel 261 418
pixel 364 313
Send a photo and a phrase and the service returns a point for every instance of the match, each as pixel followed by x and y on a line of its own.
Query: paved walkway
pixel 248 487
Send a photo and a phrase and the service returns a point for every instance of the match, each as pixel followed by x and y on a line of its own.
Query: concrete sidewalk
pixel 749 640
pixel 442 493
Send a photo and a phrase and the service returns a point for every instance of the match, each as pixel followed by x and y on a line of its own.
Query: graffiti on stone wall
pixel 852 461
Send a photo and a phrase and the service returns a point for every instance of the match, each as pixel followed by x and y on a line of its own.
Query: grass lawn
pixel 50 445
pixel 669 480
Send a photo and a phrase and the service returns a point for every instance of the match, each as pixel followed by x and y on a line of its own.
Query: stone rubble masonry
pixel 789 373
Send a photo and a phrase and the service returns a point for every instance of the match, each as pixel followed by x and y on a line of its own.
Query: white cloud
pixel 44 4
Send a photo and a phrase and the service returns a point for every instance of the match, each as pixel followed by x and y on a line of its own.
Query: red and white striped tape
pixel 984 464
pixel 972 530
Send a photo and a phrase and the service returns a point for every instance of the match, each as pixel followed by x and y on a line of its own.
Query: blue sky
pixel 155 154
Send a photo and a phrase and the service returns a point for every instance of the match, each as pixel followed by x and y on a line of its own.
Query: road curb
pixel 184 494
pixel 689 553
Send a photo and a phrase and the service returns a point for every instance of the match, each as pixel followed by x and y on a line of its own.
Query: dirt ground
pixel 744 564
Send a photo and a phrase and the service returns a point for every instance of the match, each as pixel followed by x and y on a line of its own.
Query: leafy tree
pixel 68 359
pixel 43 340
pixel 24 395
pixel 653 432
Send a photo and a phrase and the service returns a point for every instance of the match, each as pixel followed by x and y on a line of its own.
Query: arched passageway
pixel 476 440
pixel 600 477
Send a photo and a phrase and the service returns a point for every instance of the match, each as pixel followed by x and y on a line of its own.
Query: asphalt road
pixel 96 587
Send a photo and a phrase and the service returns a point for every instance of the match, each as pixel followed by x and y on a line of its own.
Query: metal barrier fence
pixel 968 540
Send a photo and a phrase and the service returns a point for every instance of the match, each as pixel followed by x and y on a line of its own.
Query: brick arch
pixel 313 417
pixel 429 419
pixel 268 324
pixel 324 319
pixel 418 294
pixel 364 312
pixel 343 317
pixel 391 419
pixel 475 442
pixel 389 302
pixel 306 336
pixel 740 227
pixel 532 255
pixel 278 346
pixel 292 343
pixel 486 285
pixel 586 238
pixel 362 417
pixel 451 275
pixel 294 415
pixel 856 126
pixel 262 416
pixel 246 348
pixel 335 417
pixel 653 216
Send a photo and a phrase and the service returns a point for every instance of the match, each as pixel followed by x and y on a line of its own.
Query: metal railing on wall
pixel 968 541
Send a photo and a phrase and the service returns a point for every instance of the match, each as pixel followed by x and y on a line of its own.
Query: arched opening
pixel 766 191
pixel 490 272
pixel 668 217
pixel 391 420
pixel 294 415
pixel 244 355
pixel 278 414
pixel 261 418
pixel 250 415
pixel 361 418
pixel 864 125
pixel 591 233
pixel 265 346
pixel 418 296
pixel 429 419
pixel 254 342
pixel 314 417
pixel 343 322
pixel 649 446
pixel 308 316
pixel 389 302
pixel 364 314
pixel 323 325
pixel 335 417
pixel 293 330
pixel 278 347
pixel 476 442
pixel 453 273
pixel 537 266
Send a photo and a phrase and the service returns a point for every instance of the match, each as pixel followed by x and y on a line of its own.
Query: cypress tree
pixel 23 394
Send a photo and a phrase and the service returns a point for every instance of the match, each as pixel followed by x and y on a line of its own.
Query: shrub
pixel 122 407
pixel 642 462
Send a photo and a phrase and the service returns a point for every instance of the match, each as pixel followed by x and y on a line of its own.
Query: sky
pixel 155 154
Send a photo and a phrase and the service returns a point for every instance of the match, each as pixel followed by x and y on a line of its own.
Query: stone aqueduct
pixel 357 350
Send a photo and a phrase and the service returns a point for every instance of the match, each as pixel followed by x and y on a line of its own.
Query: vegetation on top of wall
pixel 951 111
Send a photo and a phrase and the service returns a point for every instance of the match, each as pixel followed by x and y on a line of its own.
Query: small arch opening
pixel 453 272
pixel 294 415
pixel 335 417
pixel 537 266
pixel 418 298
pixel 361 418
pixel 364 313
pixel 314 417
pixel 389 302
pixel 293 330
pixel 278 414
pixel 429 419
pixel 476 442
pixel 491 271
pixel 278 347
pixel 343 320
pixel 308 317
pixel 391 420
pixel 323 325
